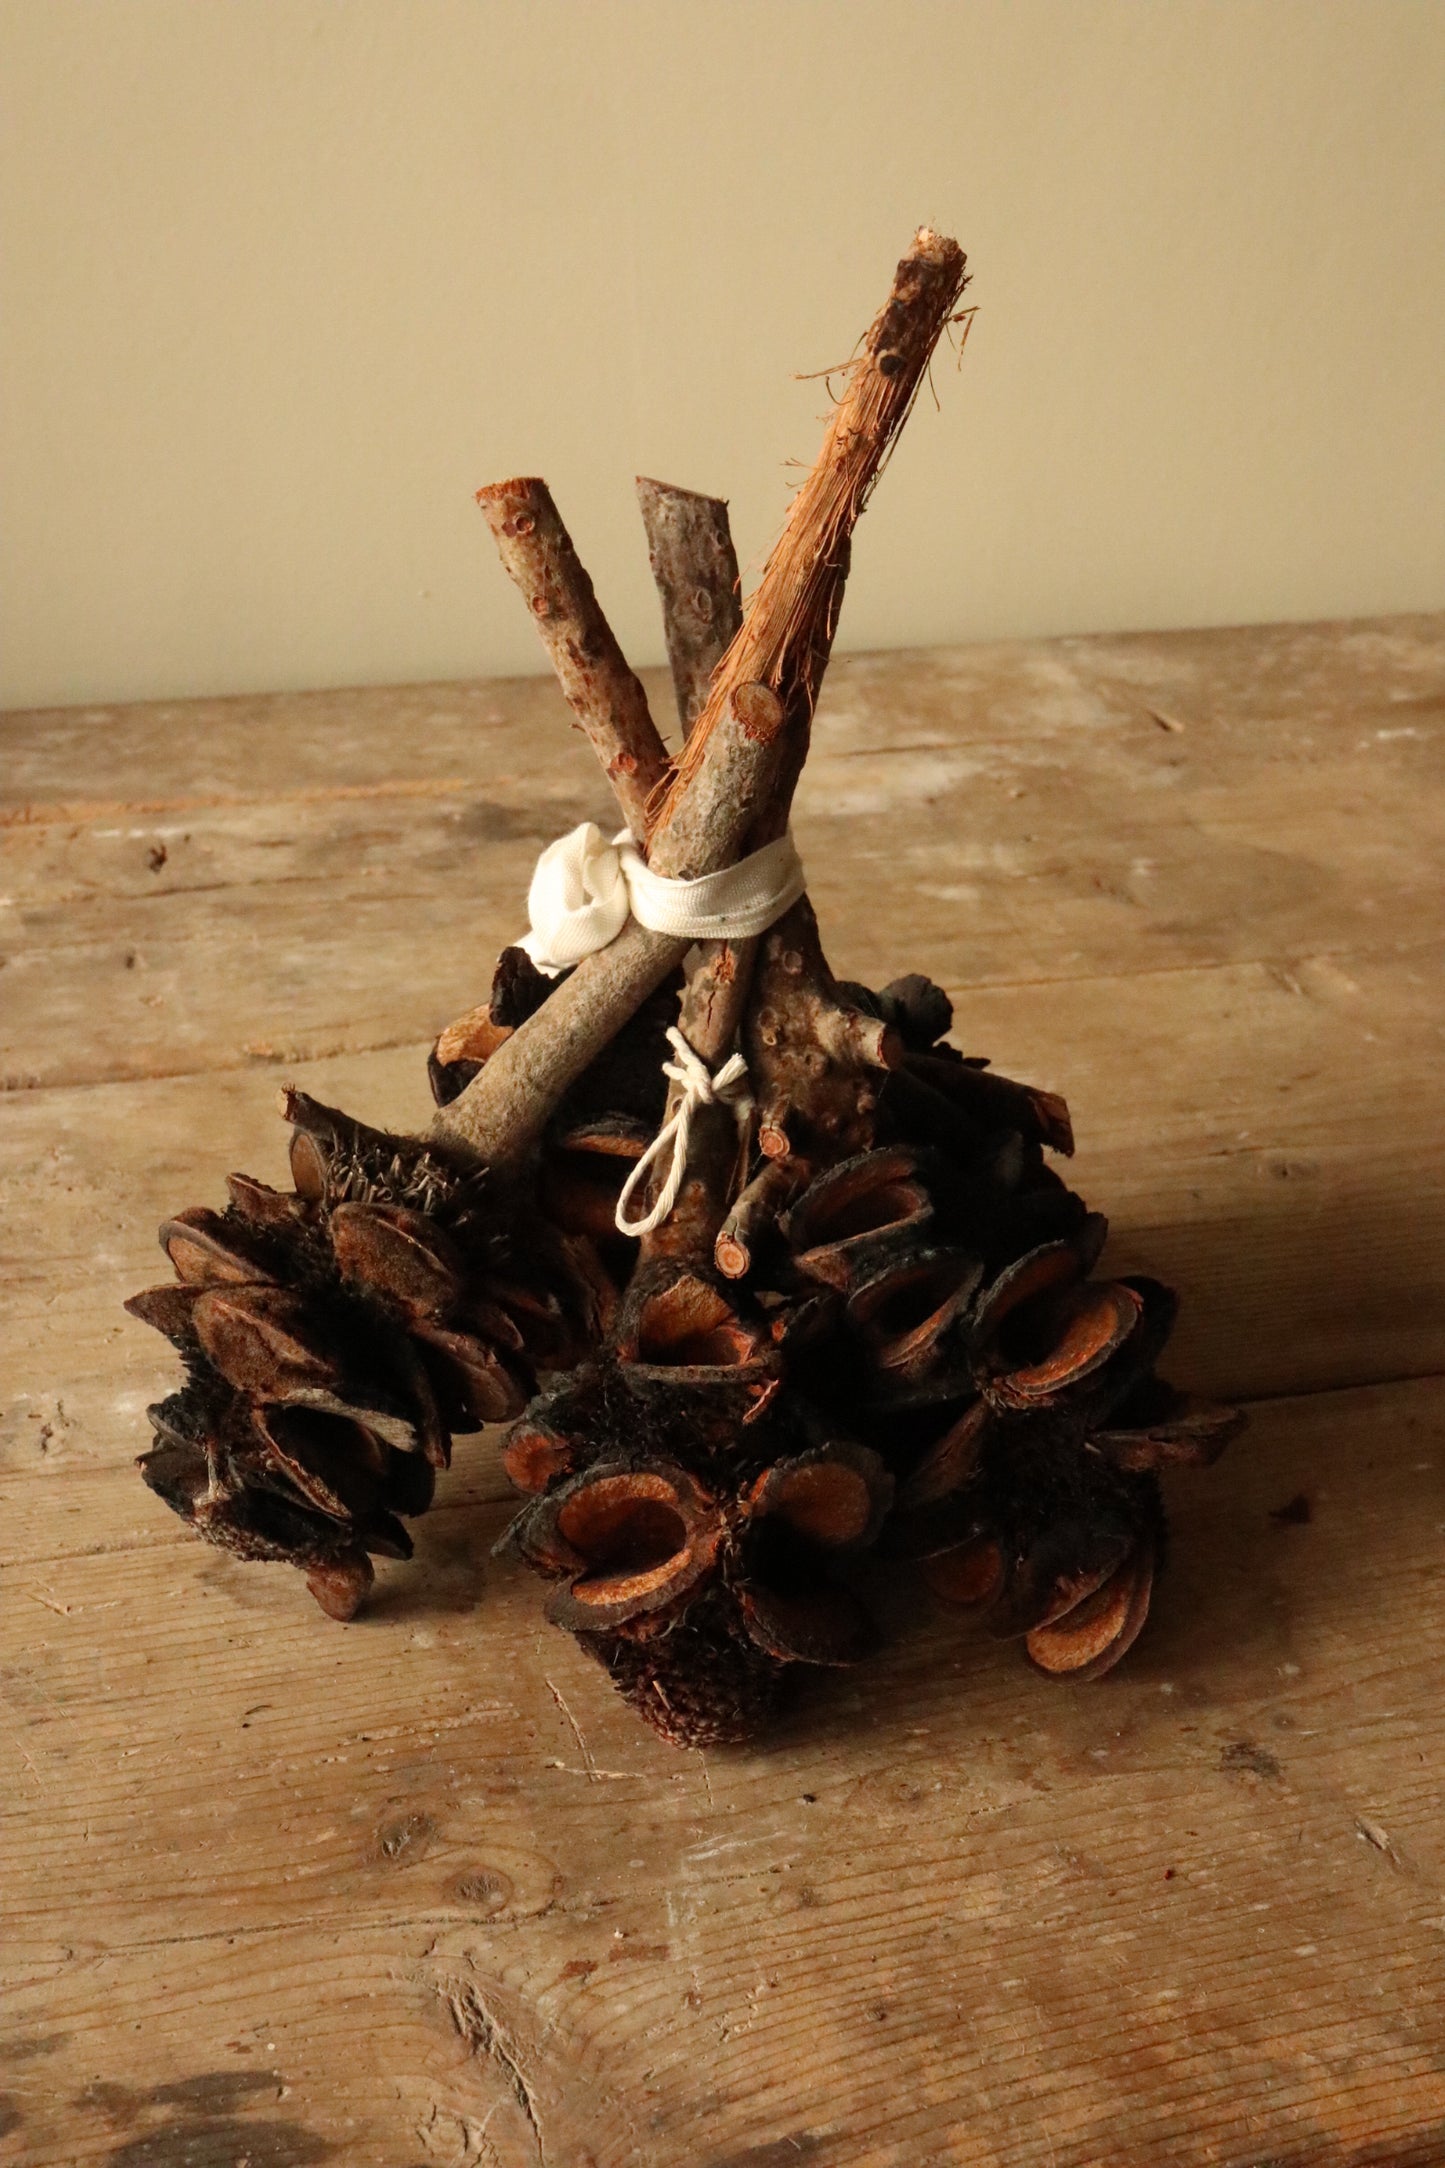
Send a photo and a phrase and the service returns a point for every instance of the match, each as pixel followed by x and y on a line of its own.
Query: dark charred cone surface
pixel 334 1336
pixel 923 1337
pixel 698 1685
pixel 694 1551
pixel 908 1346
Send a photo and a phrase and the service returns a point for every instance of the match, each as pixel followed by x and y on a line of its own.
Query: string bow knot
pixel 699 1089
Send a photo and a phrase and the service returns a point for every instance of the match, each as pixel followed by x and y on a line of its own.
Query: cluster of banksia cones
pixel 871 1321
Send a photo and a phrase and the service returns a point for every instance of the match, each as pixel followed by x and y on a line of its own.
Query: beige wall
pixel 284 280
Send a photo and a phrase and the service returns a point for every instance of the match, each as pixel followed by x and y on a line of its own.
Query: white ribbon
pixel 585 889
pixel 728 1088
pixel 583 892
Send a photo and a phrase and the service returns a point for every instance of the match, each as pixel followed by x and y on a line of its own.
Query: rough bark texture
pixel 785 640
pixel 604 694
pixel 789 624
pixel 690 545
pixel 813 1057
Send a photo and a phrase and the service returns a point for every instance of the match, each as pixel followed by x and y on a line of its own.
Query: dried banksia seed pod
pixel 1039 1504
pixel 698 1594
pixel 334 1336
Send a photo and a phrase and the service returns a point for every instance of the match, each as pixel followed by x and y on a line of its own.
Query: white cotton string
pixel 728 1088
pixel 583 892
pixel 585 889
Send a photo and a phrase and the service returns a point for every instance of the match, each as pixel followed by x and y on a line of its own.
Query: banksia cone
pixel 692 1555
pixel 1039 1503
pixel 334 1336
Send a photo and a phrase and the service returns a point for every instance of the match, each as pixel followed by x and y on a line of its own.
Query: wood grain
pixel 419 1891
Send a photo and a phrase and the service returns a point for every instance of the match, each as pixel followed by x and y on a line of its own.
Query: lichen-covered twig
pixel 809 1051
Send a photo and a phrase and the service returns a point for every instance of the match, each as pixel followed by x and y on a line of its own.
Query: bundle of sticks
pixel 852 1309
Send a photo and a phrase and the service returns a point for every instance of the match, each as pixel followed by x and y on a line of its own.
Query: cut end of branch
pixel 519 485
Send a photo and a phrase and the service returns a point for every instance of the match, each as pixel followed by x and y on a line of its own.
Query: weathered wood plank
pixel 956 1914
pixel 419 1890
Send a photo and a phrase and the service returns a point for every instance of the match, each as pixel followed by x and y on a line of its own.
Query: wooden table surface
pixel 418 1890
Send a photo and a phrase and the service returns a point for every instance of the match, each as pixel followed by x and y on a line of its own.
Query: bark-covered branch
pixel 690 546
pixel 790 621
pixel 504 1110
pixel 604 694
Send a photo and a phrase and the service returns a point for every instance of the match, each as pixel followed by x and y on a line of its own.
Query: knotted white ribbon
pixel 728 1088
pixel 585 889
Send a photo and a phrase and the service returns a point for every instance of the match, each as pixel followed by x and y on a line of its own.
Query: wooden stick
pixel 774 1186
pixel 503 1110
pixel 690 546
pixel 787 634
pixel 789 624
pixel 696 569
pixel 807 1049
pixel 604 694
pixel 787 637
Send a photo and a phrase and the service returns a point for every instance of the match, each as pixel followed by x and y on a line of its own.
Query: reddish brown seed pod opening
pixel 1045 1347
pixel 584 1168
pixel 1044 1271
pixel 836 1497
pixel 855 1211
pixel 334 1463
pixel 477 1383
pixel 970 1575
pixel 686 1328
pixel 1089 1640
pixel 642 1538
pixel 1083 1634
pixel 678 1316
pixel 536 1455
pixel 947 1466
pixel 1192 1434
pixel 904 1313
pixel 1056 1573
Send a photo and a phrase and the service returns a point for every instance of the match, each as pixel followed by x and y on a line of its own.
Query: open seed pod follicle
pixel 764 1272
